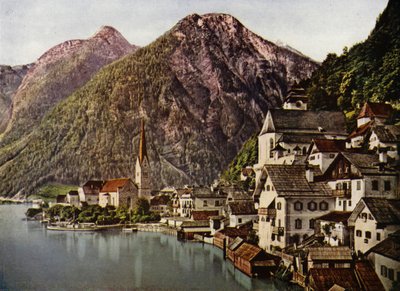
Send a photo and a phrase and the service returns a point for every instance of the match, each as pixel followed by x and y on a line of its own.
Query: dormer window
pixel 298 206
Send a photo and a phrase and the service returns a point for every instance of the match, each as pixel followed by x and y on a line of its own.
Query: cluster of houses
pixel 325 206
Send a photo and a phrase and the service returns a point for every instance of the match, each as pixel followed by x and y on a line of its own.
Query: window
pixel 331 156
pixel 205 203
pixel 304 151
pixel 262 218
pixel 368 234
pixel 312 206
pixel 239 220
pixel 349 202
pixel 398 276
pixel 273 237
pixel 358 185
pixel 279 205
pixel 216 202
pixel 358 233
pixel 279 223
pixel 298 206
pixel 298 223
pixel 390 274
pixel 375 185
pixel 378 236
pixel 323 205
pixel 370 216
pixel 387 185
pixel 340 202
pixel 312 223
pixel 271 146
pixel 268 187
pixel 384 271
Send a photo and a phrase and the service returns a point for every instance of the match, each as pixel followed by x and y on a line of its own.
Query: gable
pixel 268 125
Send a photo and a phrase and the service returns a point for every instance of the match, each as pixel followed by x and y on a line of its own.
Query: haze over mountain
pixel 59 72
pixel 203 88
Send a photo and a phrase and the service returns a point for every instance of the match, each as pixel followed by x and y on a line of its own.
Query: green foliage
pixel 247 156
pixel 51 190
pixel 142 207
pixel 31 212
pixel 368 71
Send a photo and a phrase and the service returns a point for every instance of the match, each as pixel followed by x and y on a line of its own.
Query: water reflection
pixel 32 258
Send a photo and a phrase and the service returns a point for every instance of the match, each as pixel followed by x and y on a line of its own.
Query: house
pixel 386 259
pixel 329 257
pixel 142 168
pixel 118 193
pixel 253 261
pixel 322 152
pixel 186 202
pixel 386 136
pixel 236 194
pixel 89 192
pixel 204 198
pixel 373 219
pixel 188 229
pixel 356 175
pixel 241 212
pixel 203 214
pixel 334 227
pixel 377 112
pixel 159 204
pixel 290 201
pixel 61 199
pixel 227 235
pixel 73 198
pixel 368 278
pixel 296 99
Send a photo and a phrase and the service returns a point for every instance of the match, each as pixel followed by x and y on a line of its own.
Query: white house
pixel 386 136
pixel 241 212
pixel 385 257
pixel 89 192
pixel 290 201
pixel 373 219
pixel 296 99
pixel 334 228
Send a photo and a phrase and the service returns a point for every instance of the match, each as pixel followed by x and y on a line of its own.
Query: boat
pixel 73 227
pixel 129 229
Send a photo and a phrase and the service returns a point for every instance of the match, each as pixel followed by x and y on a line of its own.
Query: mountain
pixel 369 70
pixel 202 88
pixel 10 79
pixel 57 74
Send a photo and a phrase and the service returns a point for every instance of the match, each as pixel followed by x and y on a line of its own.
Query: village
pixel 324 211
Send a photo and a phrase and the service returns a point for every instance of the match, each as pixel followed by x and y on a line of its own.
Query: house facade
pixel 118 193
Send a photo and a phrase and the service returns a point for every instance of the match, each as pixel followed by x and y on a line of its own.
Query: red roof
pixel 114 184
pixel 324 279
pixel 247 251
pixel 329 145
pixel 368 277
pixel 362 130
pixel 381 110
pixel 203 214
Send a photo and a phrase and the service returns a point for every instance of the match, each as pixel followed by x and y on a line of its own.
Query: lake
pixel 33 258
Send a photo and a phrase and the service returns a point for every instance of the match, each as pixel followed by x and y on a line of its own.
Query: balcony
pixel 342 193
pixel 270 212
pixel 278 230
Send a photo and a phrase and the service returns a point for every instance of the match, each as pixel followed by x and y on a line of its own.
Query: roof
pixel 233 232
pixel 387 133
pixel 329 254
pixel 362 130
pixel 92 187
pixel 61 198
pixel 73 193
pixel 242 207
pixel 389 247
pixel 299 137
pixel 366 163
pixel 368 277
pixel 114 184
pixel 192 224
pixel 383 210
pixel 235 244
pixel 336 216
pixel 159 200
pixel 142 143
pixel 203 214
pixel 290 180
pixel 370 109
pixel 324 279
pixel 205 192
pixel 247 251
pixel 329 145
pixel 332 122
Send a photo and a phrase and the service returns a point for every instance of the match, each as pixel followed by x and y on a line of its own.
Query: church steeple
pixel 142 143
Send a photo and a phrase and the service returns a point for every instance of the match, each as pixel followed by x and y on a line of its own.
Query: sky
pixel 28 28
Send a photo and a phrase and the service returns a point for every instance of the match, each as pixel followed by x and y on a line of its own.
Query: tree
pixel 142 207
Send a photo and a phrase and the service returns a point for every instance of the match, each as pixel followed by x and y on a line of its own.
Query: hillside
pixel 10 79
pixel 203 89
pixel 57 74
pixel 369 70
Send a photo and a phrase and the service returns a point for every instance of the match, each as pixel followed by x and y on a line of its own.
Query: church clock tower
pixel 142 169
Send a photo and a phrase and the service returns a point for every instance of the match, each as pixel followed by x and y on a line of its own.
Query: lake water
pixel 32 258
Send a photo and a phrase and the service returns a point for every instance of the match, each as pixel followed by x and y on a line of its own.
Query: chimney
pixel 309 175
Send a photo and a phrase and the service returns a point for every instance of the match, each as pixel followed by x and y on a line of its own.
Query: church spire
pixel 142 143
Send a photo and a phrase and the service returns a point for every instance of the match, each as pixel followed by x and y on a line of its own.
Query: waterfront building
pixel 160 204
pixel 290 202
pixel 186 202
pixel 372 220
pixel 119 193
pixel 142 169
pixel 73 198
pixel 241 212
pixel 89 192
pixel 329 257
pixel 204 198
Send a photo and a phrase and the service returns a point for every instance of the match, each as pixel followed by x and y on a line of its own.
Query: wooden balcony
pixel 342 193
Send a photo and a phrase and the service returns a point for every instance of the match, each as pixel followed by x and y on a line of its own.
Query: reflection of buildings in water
pixel 138 269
